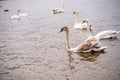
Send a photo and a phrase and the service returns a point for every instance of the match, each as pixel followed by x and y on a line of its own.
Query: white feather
pixel 59 10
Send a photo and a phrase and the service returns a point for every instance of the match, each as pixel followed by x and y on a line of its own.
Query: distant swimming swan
pixel 59 10
pixel 83 25
pixel 17 16
pixel 22 14
pixel 90 44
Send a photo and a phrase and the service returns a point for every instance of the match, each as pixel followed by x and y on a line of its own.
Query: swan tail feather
pixel 100 49
pixel 96 49
pixel 118 31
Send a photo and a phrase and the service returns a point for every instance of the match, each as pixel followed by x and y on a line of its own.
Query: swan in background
pixel 90 44
pixel 59 10
pixel 16 17
pixel 107 34
pixel 22 14
pixel 83 25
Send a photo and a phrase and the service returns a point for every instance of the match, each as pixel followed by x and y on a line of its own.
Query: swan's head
pixel 18 10
pixel 75 12
pixel 85 21
pixel 65 28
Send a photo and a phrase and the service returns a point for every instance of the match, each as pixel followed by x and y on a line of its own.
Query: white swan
pixel 59 10
pixel 22 14
pixel 107 34
pixel 83 25
pixel 90 44
pixel 16 17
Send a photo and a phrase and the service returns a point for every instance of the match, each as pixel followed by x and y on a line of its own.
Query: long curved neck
pixel 67 40
pixel 62 6
pixel 88 29
pixel 76 18
pixel 18 13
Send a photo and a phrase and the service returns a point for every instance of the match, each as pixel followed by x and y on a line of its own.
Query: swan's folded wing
pixel 95 49
pixel 78 26
pixel 84 25
pixel 88 44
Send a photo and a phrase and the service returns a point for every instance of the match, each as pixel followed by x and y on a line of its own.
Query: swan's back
pixel 88 44
pixel 15 17
pixel 23 14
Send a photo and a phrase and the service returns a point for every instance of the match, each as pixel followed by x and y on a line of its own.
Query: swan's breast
pixel 81 25
pixel 84 25
pixel 88 44
pixel 78 25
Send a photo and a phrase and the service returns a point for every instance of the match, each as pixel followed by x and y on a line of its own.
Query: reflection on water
pixel 90 56
pixel 32 49
pixel 71 60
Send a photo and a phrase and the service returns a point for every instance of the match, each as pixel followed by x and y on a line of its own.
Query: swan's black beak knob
pixel 61 30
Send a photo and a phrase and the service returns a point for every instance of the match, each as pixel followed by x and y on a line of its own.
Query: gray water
pixel 32 49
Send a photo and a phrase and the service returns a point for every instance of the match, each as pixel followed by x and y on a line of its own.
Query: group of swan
pixel 106 34
pixel 18 15
pixel 58 10
pixel 90 44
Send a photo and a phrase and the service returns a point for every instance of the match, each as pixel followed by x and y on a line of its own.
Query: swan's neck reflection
pixel 71 60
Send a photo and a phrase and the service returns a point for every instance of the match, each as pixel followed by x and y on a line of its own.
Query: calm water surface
pixel 32 49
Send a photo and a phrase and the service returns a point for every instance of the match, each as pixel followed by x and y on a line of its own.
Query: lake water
pixel 32 49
